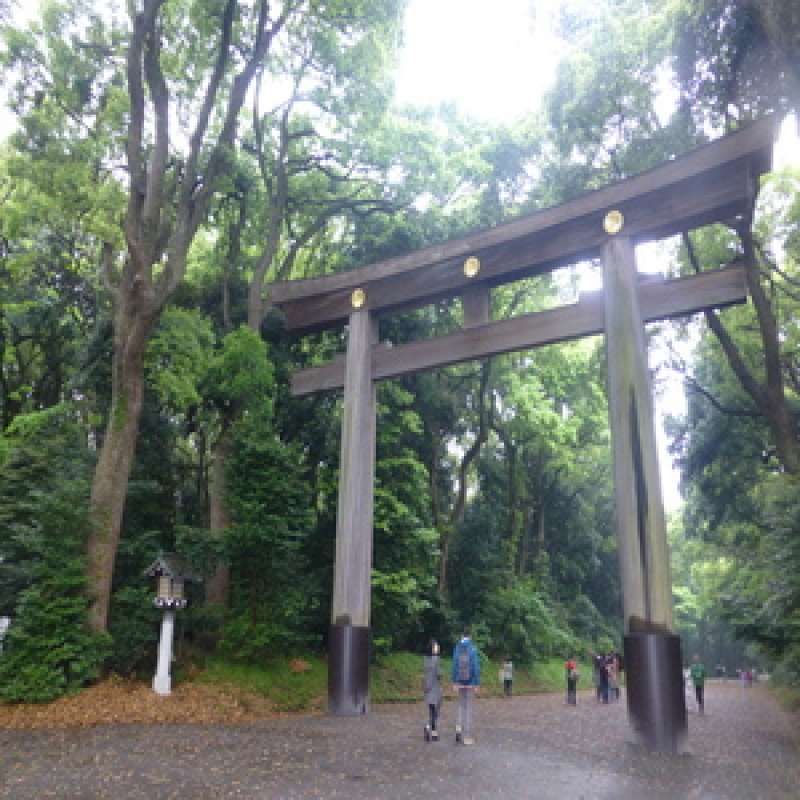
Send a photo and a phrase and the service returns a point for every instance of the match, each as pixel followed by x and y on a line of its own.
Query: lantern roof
pixel 173 566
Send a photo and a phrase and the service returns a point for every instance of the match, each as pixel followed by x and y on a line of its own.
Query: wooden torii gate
pixel 717 182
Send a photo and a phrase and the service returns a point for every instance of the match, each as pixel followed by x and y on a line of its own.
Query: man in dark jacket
pixel 466 680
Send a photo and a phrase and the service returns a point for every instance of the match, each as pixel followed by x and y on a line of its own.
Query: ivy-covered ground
pixel 530 746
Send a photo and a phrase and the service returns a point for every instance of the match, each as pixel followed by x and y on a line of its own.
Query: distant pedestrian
pixel 432 687
pixel 603 678
pixel 613 676
pixel 466 680
pixel 698 675
pixel 596 659
pixel 572 675
pixel 507 673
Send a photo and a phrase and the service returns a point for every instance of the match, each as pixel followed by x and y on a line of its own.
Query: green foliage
pixel 134 630
pixel 521 625
pixel 403 574
pixel 240 373
pixel 255 642
pixel 177 357
pixel 271 512
pixel 49 649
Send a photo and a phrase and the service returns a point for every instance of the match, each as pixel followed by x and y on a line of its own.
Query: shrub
pixel 49 649
pixel 134 630
pixel 520 624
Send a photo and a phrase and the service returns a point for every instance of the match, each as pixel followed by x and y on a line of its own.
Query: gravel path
pixel 527 747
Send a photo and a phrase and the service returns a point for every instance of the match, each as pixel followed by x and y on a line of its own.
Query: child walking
pixel 432 687
pixel 571 670
pixel 507 676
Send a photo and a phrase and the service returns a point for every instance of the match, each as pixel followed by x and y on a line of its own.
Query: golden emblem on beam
pixel 358 298
pixel 613 222
pixel 472 266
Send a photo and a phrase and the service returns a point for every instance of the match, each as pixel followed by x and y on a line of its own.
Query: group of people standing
pixel 466 678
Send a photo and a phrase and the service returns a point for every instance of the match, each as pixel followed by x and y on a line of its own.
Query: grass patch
pixel 286 688
pixel 396 678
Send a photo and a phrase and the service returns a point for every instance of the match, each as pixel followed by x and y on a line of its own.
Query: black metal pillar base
pixel 656 697
pixel 348 670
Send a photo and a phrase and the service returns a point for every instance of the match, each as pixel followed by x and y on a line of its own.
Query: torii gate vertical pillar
pixel 349 641
pixel 653 665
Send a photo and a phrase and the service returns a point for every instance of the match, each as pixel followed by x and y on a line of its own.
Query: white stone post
pixel 162 682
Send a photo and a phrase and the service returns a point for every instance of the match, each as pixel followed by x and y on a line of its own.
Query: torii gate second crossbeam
pixel 714 183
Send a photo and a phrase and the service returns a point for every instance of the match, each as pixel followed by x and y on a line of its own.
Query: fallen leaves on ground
pixel 117 700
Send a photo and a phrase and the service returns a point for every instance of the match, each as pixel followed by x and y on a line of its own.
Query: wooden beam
pixel 659 300
pixel 712 183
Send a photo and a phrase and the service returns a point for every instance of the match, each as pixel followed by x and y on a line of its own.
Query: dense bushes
pixel 521 625
pixel 49 649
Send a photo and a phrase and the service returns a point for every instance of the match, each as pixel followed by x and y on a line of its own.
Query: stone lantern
pixel 172 573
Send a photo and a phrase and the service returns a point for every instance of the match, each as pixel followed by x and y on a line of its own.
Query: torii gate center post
pixel 717 182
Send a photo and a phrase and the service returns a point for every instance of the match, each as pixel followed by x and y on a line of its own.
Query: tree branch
pixel 154 196
pixel 198 135
pixel 766 319
pixel 473 451
pixel 732 353
pixel 693 386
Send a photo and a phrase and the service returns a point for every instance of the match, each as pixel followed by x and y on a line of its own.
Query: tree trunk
pixel 769 395
pixel 110 482
pixel 783 424
pixel 444 548
pixel 525 543
pixel 218 585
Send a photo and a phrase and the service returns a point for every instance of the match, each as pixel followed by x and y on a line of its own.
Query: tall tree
pixel 306 162
pixel 168 200
pixel 74 65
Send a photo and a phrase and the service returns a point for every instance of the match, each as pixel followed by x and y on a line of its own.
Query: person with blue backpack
pixel 466 680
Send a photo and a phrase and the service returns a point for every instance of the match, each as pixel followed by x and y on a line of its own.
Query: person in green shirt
pixel 698 673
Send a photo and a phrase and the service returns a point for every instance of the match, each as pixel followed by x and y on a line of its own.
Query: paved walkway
pixel 527 747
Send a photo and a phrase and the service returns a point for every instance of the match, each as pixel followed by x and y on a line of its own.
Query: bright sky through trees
pixel 494 60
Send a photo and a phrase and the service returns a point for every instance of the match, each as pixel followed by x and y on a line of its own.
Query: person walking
pixel 507 673
pixel 432 687
pixel 571 670
pixel 596 675
pixel 698 674
pixel 613 676
pixel 602 677
pixel 466 680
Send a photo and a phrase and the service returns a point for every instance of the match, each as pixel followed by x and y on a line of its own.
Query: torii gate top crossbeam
pixel 713 183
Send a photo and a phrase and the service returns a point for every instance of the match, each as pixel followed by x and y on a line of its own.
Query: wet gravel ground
pixel 526 747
